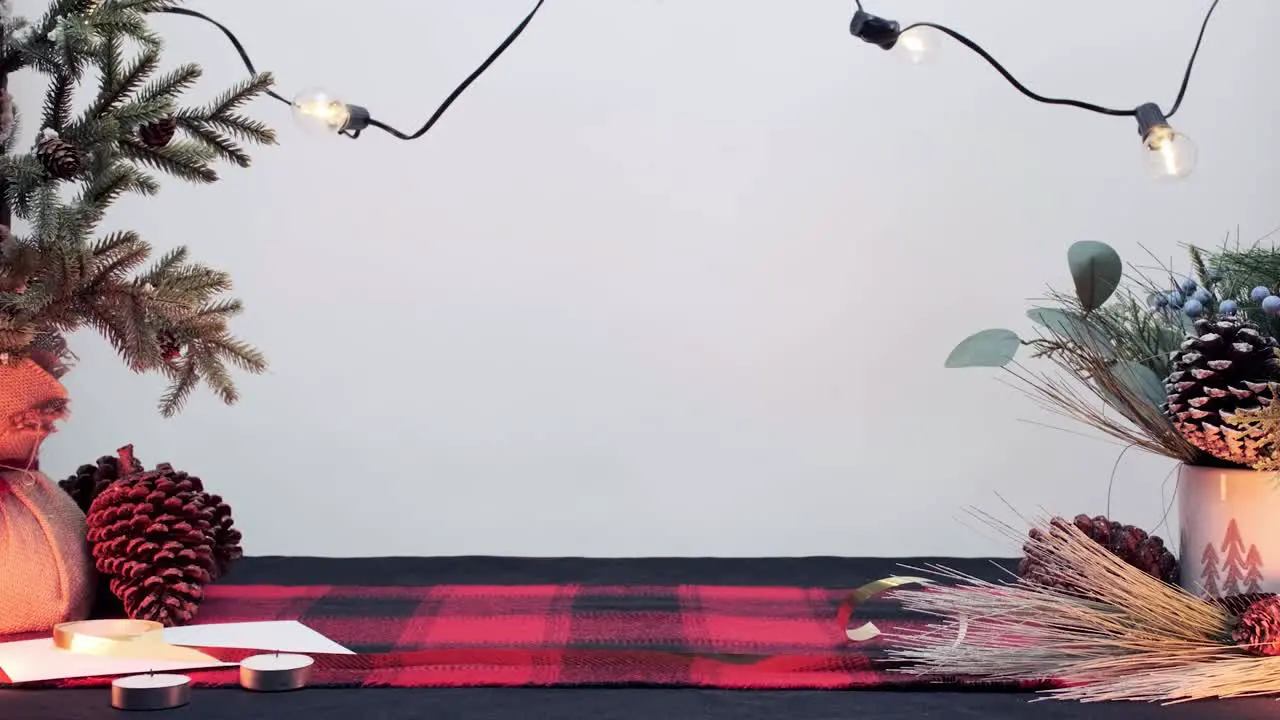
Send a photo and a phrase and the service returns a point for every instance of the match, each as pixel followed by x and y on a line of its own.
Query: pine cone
pixel 1226 366
pixel 151 534
pixel 1131 544
pixel 6 115
pixel 226 539
pixel 49 350
pixel 1258 630
pixel 1239 604
pixel 157 134
pixel 60 159
pixel 170 348
pixel 90 480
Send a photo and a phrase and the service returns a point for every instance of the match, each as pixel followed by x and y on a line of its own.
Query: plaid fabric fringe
pixel 510 636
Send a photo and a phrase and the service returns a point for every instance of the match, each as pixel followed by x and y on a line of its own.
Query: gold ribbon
pixel 137 639
pixel 868 630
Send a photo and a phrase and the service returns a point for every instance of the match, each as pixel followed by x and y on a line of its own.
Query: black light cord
pixel 1186 77
pixel 370 122
pixel 1008 76
pixel 976 48
pixel 235 41
pixel 465 83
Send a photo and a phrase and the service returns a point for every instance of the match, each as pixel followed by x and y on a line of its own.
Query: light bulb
pixel 916 47
pixel 1168 153
pixel 320 112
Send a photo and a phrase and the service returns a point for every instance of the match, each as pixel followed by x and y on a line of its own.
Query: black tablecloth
pixel 601 704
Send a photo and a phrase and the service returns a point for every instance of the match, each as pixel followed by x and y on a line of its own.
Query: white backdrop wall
pixel 674 278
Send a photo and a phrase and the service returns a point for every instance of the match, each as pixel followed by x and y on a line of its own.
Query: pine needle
pixel 58 102
pixel 1132 637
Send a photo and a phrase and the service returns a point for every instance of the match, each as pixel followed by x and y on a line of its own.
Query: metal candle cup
pixel 150 692
pixel 275 672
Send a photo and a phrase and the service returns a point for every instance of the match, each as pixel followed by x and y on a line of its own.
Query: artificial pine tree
pixel 65 272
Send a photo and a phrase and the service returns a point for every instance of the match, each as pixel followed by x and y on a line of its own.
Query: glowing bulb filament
pixel 330 112
pixel 1161 141
pixel 914 45
pixel 1170 159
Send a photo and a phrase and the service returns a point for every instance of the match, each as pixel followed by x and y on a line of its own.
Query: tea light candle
pixel 275 672
pixel 150 692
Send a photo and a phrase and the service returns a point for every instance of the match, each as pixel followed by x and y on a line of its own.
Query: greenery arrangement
pixel 1182 366
pixel 66 272
pixel 1130 636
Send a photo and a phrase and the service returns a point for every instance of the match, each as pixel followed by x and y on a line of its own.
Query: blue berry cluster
pixel 1270 302
pixel 1190 299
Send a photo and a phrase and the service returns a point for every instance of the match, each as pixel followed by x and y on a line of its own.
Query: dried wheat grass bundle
pixel 1130 637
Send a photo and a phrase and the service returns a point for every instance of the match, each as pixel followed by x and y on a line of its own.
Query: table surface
pixel 602 704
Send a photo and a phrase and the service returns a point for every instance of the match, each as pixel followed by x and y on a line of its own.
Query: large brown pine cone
pixel 90 480
pixel 1129 543
pixel 151 535
pixel 1257 631
pixel 60 159
pixel 1238 604
pixel 226 539
pixel 157 134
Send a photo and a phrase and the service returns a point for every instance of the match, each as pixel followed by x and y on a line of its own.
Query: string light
pixel 318 110
pixel 1168 153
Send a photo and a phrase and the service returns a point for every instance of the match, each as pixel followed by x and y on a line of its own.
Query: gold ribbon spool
pixel 134 639
pixel 868 630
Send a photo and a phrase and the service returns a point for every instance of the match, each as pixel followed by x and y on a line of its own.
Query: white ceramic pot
pixel 1229 531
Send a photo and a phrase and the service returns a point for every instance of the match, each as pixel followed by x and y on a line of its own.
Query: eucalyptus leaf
pixel 1074 328
pixel 1142 380
pixel 988 348
pixel 1096 270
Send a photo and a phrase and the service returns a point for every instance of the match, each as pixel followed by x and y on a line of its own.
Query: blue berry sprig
pixel 1187 297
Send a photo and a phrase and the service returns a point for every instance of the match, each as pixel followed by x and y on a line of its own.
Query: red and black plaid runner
pixel 570 635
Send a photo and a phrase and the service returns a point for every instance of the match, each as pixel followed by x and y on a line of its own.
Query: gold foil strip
pixel 868 630
pixel 139 639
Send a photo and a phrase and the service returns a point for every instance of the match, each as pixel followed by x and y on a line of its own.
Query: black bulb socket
pixel 357 119
pixel 874 29
pixel 1149 118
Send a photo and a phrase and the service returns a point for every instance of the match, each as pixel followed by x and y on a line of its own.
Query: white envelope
pixel 32 660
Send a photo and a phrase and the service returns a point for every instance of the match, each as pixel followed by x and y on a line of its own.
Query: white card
pixel 32 660
pixel 283 635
